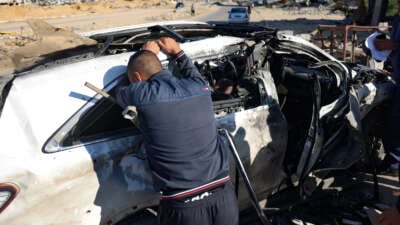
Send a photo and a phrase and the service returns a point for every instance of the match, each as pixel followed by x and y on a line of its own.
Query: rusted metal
pixel 341 33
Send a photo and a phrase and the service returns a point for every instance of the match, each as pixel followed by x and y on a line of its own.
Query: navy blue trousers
pixel 213 207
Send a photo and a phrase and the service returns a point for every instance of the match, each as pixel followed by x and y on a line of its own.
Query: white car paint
pixel 87 183
pixel 66 187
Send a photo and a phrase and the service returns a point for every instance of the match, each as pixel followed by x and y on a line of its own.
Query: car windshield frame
pixel 239 10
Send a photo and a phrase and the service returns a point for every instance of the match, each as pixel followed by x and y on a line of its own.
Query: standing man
pixel 188 160
pixel 249 8
pixel 392 136
pixel 192 10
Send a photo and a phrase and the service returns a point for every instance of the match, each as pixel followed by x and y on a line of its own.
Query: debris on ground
pixel 351 200
pixel 24 51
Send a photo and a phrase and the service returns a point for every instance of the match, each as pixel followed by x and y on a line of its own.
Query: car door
pixel 73 158
pixel 119 160
pixel 260 136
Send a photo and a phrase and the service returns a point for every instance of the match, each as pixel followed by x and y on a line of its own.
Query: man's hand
pixel 151 46
pixel 169 46
pixel 389 217
pixel 383 44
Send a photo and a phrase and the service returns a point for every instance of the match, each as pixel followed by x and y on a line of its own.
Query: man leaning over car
pixel 187 158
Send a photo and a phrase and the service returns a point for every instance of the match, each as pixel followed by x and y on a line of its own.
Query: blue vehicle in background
pixel 239 15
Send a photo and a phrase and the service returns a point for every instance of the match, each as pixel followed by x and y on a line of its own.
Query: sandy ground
pixel 39 12
pixel 302 22
pixel 23 41
pixel 20 44
pixel 97 15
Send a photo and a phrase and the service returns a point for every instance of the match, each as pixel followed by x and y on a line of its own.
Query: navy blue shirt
pixel 395 56
pixel 395 59
pixel 178 125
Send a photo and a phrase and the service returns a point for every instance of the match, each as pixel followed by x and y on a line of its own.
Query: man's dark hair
pixel 223 84
pixel 145 62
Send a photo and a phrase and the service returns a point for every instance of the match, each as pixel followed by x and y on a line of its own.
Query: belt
pixel 196 190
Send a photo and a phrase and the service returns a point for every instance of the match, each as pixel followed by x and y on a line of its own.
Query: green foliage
pixel 392 8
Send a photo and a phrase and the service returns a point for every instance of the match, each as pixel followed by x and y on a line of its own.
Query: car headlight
pixel 7 194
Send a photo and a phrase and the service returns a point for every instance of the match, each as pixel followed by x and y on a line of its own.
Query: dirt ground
pixel 97 15
pixel 302 22
pixel 40 12
pixel 24 37
pixel 21 44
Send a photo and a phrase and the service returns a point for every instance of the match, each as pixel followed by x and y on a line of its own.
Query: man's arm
pixel 383 44
pixel 124 95
pixel 170 47
pixel 389 217
pixel 186 66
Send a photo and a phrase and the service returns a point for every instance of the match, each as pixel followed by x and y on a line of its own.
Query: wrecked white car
pixel 67 156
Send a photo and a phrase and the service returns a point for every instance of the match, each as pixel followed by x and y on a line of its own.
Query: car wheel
pixel 144 217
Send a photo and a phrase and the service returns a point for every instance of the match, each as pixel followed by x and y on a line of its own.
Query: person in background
pixel 192 10
pixel 224 90
pixel 391 138
pixel 189 161
pixel 249 8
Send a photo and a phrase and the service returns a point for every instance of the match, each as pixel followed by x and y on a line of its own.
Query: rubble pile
pixel 21 51
pixel 60 2
pixel 9 43
pixel 11 39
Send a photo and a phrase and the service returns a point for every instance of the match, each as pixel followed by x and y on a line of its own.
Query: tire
pixel 144 217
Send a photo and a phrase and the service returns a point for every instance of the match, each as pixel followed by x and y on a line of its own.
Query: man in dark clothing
pixel 192 10
pixel 392 135
pixel 188 160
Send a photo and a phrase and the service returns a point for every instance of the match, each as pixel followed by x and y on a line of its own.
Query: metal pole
pixel 239 164
pixel 100 91
pixel 376 12
pixel 353 45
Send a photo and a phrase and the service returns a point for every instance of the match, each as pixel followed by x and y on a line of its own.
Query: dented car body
pixel 71 158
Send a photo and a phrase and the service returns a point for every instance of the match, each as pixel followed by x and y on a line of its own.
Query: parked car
pixel 67 156
pixel 257 2
pixel 179 5
pixel 238 15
